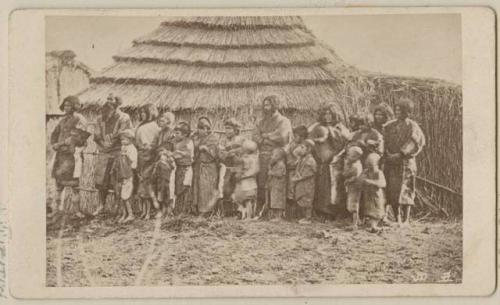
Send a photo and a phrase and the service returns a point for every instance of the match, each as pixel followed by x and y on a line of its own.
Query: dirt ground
pixel 197 251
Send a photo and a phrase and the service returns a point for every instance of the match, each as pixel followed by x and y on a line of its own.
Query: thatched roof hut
pixel 64 76
pixel 220 62
pixel 224 66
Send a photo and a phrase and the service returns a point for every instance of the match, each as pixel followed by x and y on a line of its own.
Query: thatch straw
pixel 243 38
pixel 198 76
pixel 178 98
pixel 237 22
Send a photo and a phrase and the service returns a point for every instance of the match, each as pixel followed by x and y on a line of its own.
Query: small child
pixel 183 155
pixel 303 180
pixel 276 185
pixel 164 179
pixel 373 181
pixel 124 172
pixel 245 175
pixel 352 171
pixel 300 134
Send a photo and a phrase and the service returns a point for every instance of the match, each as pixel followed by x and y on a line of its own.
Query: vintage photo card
pixel 252 153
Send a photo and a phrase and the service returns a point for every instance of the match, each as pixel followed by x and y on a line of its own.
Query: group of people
pixel 324 170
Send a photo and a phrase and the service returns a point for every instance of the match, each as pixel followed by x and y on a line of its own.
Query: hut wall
pixel 63 77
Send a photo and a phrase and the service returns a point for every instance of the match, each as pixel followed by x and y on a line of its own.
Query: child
pixel 373 181
pixel 303 180
pixel 124 173
pixel 352 171
pixel 276 184
pixel 164 178
pixel 245 175
pixel 183 155
pixel 300 134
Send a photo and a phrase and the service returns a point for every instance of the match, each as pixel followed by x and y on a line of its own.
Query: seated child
pixel 245 175
pixel 303 180
pixel 124 173
pixel 352 171
pixel 164 178
pixel 276 184
pixel 373 184
pixel 183 155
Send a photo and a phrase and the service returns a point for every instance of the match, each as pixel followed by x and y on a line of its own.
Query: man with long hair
pixel 273 131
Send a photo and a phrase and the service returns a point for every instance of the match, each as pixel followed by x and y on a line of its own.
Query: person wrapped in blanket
pixel 303 179
pixel 68 140
pixel 404 140
pixel 110 123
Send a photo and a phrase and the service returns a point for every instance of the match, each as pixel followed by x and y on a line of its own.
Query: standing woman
pixel 145 135
pixel 205 167
pixel 67 138
pixel 404 140
pixel 330 137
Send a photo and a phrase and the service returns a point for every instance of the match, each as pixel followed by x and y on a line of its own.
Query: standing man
pixel 109 125
pixel 68 139
pixel 404 140
pixel 273 131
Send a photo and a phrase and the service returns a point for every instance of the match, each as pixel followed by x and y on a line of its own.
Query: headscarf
pixel 386 111
pixel 273 101
pixel 204 122
pixel 234 124
pixel 183 127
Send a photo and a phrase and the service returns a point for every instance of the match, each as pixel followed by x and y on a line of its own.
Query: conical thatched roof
pixel 219 62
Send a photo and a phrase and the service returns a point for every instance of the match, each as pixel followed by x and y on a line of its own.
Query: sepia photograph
pixel 253 150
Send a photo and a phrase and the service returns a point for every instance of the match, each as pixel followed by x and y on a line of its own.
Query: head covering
pixel 273 101
pixel 385 109
pixel 405 105
pixel 355 151
pixel 249 146
pixel 113 101
pixel 73 101
pixel 309 143
pixel 280 152
pixel 184 128
pixel 151 111
pixel 168 115
pixel 372 158
pixel 204 122
pixel 301 131
pixel 233 123
pixel 330 108
pixel 127 133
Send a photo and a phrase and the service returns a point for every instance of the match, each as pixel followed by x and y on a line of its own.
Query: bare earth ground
pixel 195 251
